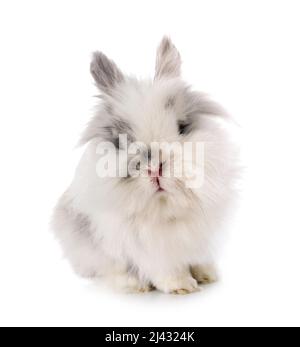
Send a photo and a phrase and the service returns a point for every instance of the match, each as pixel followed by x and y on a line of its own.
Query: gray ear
pixel 105 72
pixel 168 61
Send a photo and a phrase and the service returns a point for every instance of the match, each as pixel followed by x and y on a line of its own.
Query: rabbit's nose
pixel 156 172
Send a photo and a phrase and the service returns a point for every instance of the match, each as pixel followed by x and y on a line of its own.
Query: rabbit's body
pixel 144 231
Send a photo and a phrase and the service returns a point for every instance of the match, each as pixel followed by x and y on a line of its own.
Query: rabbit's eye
pixel 115 133
pixel 183 128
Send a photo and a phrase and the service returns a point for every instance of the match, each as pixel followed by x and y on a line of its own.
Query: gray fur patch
pixel 82 224
pixel 115 129
pixel 107 126
pixel 65 216
pixel 171 101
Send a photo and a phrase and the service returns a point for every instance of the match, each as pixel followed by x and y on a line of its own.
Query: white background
pixel 246 55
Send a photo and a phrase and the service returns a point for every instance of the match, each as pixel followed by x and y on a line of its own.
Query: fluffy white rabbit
pixel 150 230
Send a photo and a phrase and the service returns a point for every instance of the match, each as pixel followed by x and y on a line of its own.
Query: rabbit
pixel 148 230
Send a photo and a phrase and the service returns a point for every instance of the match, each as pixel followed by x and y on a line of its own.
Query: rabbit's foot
pixel 130 283
pixel 178 285
pixel 204 274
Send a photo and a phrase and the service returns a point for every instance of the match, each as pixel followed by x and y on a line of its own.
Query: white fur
pixel 125 230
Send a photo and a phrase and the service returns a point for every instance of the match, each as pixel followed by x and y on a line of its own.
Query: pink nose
pixel 156 173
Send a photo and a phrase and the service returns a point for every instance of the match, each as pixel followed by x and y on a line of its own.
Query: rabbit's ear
pixel 168 61
pixel 105 72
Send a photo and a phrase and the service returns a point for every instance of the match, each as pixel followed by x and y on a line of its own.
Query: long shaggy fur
pixel 120 228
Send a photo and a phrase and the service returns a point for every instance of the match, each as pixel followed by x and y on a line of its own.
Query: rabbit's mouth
pixel 157 183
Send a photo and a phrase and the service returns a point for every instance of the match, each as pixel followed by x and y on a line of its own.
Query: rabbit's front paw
pixel 129 283
pixel 134 285
pixel 204 274
pixel 179 285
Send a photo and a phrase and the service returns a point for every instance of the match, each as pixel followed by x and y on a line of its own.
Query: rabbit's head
pixel 163 125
